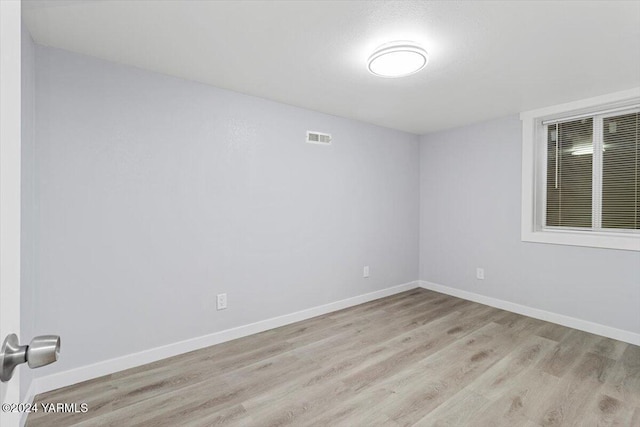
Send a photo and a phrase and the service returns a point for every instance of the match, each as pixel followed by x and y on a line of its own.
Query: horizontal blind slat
pixel 569 173
pixel 620 172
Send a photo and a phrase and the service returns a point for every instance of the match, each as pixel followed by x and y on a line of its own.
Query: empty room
pixel 319 213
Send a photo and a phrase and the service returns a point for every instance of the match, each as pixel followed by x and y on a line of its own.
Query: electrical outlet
pixel 221 301
pixel 480 273
pixel 365 271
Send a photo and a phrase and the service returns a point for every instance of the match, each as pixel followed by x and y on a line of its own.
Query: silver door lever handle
pixel 41 351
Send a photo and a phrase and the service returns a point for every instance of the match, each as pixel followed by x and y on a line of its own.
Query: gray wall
pixel 155 194
pixel 470 217
pixel 28 203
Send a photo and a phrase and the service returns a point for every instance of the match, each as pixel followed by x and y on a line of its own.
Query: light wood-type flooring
pixel 418 358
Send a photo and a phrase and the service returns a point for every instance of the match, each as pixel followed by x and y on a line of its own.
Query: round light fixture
pixel 397 59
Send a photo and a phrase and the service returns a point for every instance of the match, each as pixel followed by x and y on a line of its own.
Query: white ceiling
pixel 487 59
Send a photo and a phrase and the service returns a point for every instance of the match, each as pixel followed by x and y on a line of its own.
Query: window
pixel 581 173
pixel 569 174
pixel 621 172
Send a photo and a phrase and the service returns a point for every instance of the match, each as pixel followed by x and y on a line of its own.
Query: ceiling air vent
pixel 318 138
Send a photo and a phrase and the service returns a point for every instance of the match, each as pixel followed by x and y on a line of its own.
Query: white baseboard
pixel 561 319
pixel 84 373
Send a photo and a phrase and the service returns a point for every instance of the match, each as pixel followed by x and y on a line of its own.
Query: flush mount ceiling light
pixel 397 59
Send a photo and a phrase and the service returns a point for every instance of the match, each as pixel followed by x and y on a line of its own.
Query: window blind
pixel 570 173
pixel 621 172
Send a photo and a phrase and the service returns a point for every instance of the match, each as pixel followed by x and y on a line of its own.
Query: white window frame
pixel 534 151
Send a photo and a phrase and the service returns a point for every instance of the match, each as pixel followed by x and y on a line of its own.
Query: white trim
pixel 28 399
pixel 105 367
pixel 609 111
pixel 560 319
pixel 596 173
pixel 10 176
pixel 530 229
pixel 561 110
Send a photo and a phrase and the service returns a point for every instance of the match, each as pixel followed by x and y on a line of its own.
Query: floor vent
pixel 318 138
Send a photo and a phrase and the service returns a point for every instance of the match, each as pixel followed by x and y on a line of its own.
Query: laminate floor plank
pixel 339 364
pixel 507 374
pixel 554 332
pixel 521 401
pixel 609 411
pixel 567 352
pixel 460 411
pixel 624 382
pixel 415 358
pixel 452 369
pixel 411 393
pixel 635 419
pixel 610 348
pixel 576 392
pixel 99 394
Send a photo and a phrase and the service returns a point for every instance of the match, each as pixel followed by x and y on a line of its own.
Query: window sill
pixel 589 239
